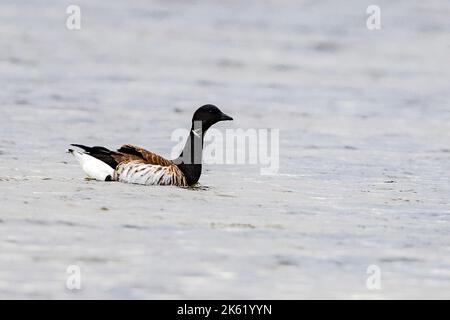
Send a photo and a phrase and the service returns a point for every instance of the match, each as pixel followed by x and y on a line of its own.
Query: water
pixel 364 149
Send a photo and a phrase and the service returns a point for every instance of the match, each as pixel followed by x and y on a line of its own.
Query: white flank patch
pixel 196 132
pixel 93 167
pixel 145 174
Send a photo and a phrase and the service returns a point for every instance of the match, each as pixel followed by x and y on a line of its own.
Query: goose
pixel 133 164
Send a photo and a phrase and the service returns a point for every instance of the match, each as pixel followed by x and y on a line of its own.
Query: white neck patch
pixel 196 132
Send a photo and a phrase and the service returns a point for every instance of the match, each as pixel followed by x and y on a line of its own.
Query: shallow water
pixel 364 149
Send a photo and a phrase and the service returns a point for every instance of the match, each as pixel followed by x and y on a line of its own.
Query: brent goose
pixel 131 164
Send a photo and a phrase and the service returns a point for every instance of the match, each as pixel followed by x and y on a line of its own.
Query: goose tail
pixel 93 167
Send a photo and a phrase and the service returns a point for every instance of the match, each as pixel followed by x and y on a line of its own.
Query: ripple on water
pixel 230 63
pixel 133 226
pixel 286 261
pixel 198 187
pixel 219 225
pixel 328 47
pixel 96 259
pixel 282 67
pixel 400 260
pixel 39 222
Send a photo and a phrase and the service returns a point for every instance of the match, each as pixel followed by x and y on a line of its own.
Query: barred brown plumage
pixel 138 172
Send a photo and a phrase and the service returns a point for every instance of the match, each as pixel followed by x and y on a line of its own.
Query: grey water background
pixel 364 122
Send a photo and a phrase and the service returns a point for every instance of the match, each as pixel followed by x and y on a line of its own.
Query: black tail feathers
pixel 101 153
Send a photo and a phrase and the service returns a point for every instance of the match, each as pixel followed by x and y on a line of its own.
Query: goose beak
pixel 224 117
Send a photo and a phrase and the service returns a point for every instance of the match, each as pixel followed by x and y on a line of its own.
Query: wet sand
pixel 364 149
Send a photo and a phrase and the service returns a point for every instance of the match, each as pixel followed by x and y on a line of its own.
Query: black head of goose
pixel 133 164
pixel 190 159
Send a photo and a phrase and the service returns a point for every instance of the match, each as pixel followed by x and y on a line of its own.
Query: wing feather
pixel 130 152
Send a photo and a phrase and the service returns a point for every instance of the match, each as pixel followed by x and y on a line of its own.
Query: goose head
pixel 207 116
